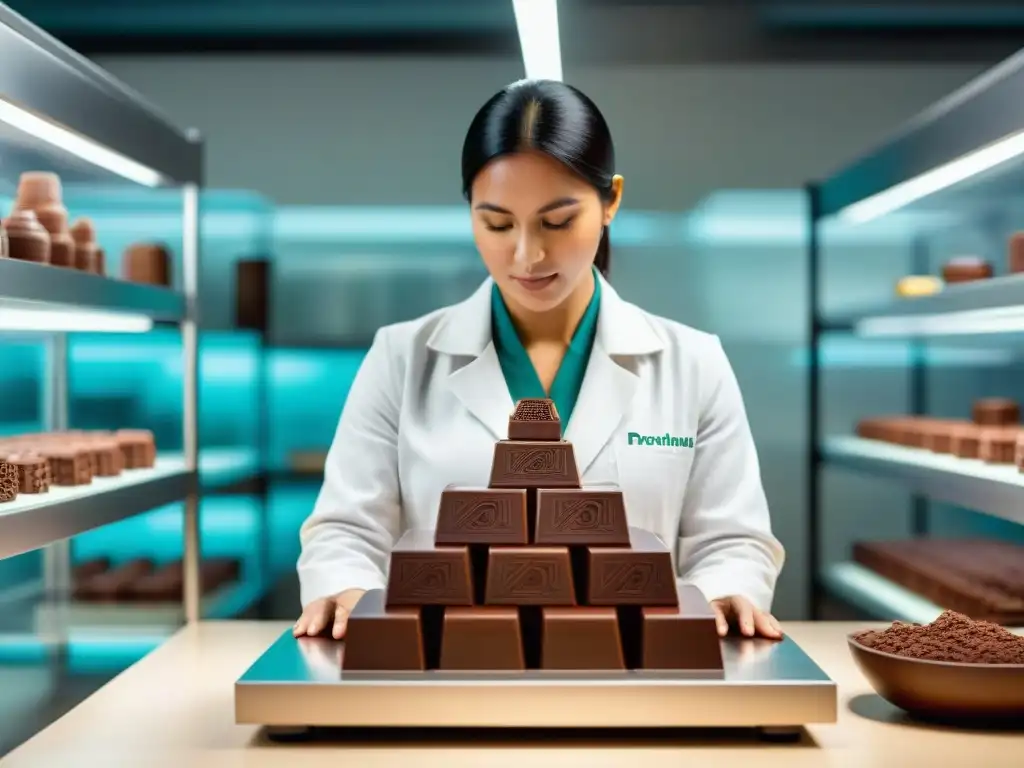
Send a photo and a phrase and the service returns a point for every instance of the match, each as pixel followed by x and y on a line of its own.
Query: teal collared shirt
pixel 520 375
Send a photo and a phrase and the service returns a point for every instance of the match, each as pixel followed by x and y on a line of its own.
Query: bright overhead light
pixel 942 177
pixel 537 22
pixel 966 323
pixel 71 321
pixel 79 146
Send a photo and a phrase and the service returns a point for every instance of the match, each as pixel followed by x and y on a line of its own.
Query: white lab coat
pixel 430 400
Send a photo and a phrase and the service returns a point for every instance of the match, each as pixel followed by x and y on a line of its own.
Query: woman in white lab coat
pixel 649 404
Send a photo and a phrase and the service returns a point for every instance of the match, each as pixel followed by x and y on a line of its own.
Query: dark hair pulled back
pixel 551 117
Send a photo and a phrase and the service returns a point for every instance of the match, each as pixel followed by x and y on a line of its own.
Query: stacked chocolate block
pixel 532 572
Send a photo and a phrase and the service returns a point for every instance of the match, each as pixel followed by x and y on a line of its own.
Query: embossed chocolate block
pixel 482 516
pixel 383 639
pixel 639 574
pixel 587 516
pixel 423 573
pixel 535 419
pixel 529 576
pixel 682 638
pixel 534 464
pixel 482 638
pixel 580 638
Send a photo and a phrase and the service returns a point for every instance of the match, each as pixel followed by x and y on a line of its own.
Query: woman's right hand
pixel 328 612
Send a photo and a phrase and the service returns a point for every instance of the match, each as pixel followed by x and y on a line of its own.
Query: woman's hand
pixel 328 612
pixel 739 612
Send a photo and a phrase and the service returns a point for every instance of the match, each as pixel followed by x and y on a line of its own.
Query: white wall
pixel 389 132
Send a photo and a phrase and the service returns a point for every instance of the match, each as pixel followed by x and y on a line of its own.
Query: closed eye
pixel 560 225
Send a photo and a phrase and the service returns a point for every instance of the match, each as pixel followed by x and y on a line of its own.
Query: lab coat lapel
pixel 610 383
pixel 476 378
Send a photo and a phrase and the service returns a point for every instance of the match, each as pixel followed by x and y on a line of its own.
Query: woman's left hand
pixel 739 612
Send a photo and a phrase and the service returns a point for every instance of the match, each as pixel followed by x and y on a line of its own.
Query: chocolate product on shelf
pixel 8 481
pixel 964 269
pixel 951 637
pixel 62 247
pixel 36 189
pixel 482 638
pixel 101 261
pixel 965 441
pixel 580 638
pixel 253 280
pixel 534 464
pixel 117 582
pixel 89 568
pixel 534 419
pixel 482 516
pixel 164 583
pixel 68 466
pixel 27 239
pixel 998 445
pixel 379 638
pixel 147 263
pixel 979 578
pixel 33 472
pixel 138 447
pixel 84 234
pixel 588 516
pixel 529 576
pixel 1016 255
pixel 423 573
pixel 681 638
pixel 995 412
pixel 638 574
pixel 106 456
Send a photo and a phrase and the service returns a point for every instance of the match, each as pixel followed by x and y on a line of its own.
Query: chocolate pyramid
pixel 532 572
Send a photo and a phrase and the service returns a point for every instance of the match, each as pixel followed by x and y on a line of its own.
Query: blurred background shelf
pixel 40 285
pixel 878 597
pixel 995 489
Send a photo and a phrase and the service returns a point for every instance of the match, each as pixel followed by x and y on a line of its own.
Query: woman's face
pixel 537 226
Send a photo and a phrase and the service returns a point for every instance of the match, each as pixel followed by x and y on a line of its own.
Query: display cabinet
pixel 916 483
pixel 63 117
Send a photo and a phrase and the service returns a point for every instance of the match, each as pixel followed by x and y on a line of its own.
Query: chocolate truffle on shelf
pixel 62 247
pixel 1016 256
pixel 995 412
pixel 8 481
pixel 33 472
pixel 27 239
pixel 147 263
pixel 963 269
pixel 84 234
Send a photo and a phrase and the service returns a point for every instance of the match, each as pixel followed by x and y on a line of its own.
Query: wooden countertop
pixel 176 708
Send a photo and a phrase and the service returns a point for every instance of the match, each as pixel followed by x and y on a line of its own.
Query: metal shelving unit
pixel 59 112
pixel 956 164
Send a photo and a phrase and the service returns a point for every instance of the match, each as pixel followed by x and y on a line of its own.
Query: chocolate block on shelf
pixel 529 576
pixel 482 516
pixel 964 269
pixel 8 481
pixel 423 573
pixel 117 582
pixel 482 638
pixel 69 466
pixel 995 412
pixel 639 574
pixel 383 639
pixel 215 572
pixel 147 263
pixel 534 464
pixel 939 436
pixel 580 638
pixel 683 638
pixel 89 568
pixel 105 456
pixel 965 441
pixel 535 419
pixel 33 472
pixel 165 583
pixel 588 516
pixel 998 445
pixel 137 447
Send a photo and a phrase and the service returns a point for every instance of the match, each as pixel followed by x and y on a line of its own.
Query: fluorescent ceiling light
pixel 79 146
pixel 537 21
pixel 966 323
pixel 71 321
pixel 935 180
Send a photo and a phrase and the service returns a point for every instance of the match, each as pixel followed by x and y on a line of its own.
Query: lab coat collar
pixel 624 332
pixel 622 328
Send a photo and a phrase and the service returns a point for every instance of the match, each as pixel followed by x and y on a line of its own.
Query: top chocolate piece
pixel 535 418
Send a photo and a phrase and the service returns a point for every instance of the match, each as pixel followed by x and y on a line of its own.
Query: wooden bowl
pixel 944 690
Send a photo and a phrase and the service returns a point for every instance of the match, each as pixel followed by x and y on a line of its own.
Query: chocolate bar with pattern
pixel 534 464
pixel 535 419
pixel 424 573
pixel 637 574
pixel 587 516
pixel 482 516
pixel 529 576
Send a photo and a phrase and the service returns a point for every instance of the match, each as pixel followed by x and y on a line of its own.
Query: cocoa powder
pixel 951 637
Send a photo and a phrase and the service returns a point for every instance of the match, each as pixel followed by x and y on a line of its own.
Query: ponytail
pixel 603 259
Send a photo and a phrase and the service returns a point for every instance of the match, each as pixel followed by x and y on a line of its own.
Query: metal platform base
pixel 770 685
